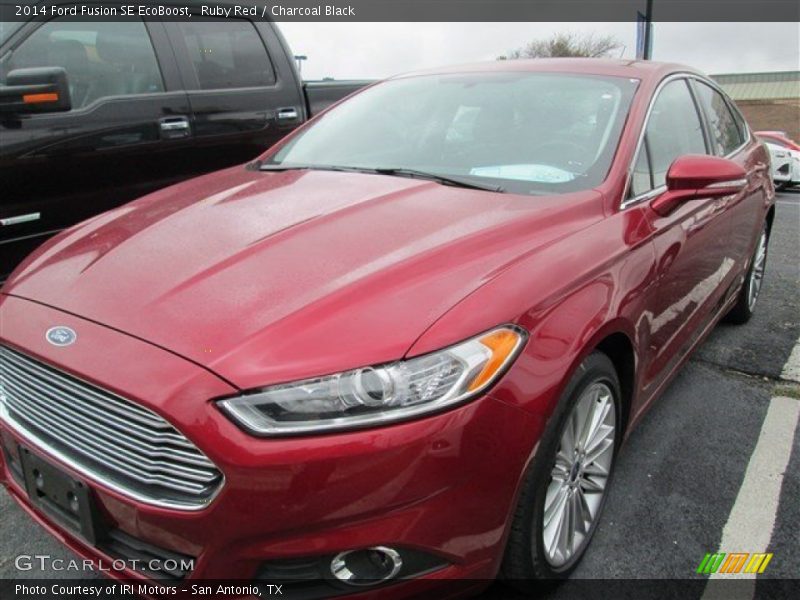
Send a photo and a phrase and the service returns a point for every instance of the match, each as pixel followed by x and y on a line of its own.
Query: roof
pixel 779 85
pixel 592 66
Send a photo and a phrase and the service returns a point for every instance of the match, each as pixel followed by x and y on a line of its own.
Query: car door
pixel 121 139
pixel 242 88
pixel 690 243
pixel 731 138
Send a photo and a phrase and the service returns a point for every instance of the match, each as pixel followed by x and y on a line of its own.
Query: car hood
pixel 265 277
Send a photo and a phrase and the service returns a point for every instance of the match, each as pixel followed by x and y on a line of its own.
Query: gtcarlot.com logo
pixel 44 562
pixel 734 562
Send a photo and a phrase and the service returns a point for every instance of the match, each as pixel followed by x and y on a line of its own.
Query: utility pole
pixel 648 31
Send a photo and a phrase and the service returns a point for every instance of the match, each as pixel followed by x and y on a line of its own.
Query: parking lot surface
pixel 682 472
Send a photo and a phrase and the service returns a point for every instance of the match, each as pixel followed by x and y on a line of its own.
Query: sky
pixel 377 50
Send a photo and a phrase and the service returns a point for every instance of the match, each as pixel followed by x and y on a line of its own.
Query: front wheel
pixel 565 488
pixel 748 296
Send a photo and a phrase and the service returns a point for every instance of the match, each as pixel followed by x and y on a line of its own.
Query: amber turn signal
pixel 502 344
pixel 40 98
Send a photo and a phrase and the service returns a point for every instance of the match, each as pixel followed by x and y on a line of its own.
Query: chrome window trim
pixel 18 219
pixel 40 444
pixel 725 184
pixel 626 202
pixel 648 195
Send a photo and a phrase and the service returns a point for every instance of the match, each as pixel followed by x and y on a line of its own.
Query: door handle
pixel 286 114
pixel 174 127
pixel 20 219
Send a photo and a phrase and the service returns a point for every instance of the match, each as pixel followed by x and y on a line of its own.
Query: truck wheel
pixel 748 295
pixel 565 487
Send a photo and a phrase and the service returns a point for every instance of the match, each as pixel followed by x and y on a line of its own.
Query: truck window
pixel 227 54
pixel 101 59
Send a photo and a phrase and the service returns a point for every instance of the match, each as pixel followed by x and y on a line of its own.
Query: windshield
pixel 7 28
pixel 528 133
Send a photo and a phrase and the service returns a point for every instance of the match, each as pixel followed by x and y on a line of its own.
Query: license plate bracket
pixel 66 500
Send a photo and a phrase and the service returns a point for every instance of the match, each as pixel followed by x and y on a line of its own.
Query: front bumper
pixel 444 485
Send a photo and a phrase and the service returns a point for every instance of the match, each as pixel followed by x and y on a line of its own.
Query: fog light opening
pixel 369 566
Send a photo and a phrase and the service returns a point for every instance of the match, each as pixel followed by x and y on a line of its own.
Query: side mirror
pixel 40 89
pixel 696 176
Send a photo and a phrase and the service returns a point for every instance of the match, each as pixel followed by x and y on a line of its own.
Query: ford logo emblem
pixel 61 336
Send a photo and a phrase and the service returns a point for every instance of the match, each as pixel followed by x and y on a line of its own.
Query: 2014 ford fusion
pixel 402 348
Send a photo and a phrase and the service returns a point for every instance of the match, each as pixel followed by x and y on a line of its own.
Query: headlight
pixel 379 394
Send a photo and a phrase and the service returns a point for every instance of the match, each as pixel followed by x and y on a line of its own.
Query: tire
pixel 529 557
pixel 742 311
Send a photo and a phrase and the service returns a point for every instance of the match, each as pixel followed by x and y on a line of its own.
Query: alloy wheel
pixel 580 474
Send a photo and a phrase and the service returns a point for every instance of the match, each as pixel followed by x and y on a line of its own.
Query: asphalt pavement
pixel 679 475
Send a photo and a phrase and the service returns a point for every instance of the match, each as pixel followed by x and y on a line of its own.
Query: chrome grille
pixel 104 436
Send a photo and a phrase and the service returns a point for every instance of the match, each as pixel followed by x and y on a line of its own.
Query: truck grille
pixel 109 439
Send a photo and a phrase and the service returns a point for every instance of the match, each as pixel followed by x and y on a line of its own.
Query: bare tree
pixel 567 44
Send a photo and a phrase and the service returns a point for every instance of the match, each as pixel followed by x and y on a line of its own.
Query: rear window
pixel 725 133
pixel 227 54
pixel 740 122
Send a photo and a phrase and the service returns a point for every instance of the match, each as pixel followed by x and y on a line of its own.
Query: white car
pixel 785 164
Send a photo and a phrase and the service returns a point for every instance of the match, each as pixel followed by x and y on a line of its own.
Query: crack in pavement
pixel 748 374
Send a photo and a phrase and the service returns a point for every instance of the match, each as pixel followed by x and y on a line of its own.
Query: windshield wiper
pixel 281 167
pixel 443 179
pixel 393 171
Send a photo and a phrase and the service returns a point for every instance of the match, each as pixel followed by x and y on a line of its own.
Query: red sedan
pixel 398 351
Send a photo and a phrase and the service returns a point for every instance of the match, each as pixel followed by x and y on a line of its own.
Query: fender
pixel 567 317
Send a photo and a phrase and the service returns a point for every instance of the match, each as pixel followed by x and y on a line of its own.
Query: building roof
pixel 779 85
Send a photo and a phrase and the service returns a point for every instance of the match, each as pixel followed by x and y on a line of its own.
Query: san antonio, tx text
pixel 138 589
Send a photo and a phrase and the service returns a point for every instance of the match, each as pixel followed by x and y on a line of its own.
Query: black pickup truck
pixel 94 114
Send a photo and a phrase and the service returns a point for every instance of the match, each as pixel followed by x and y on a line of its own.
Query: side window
pixel 725 133
pixel 101 58
pixel 740 122
pixel 673 129
pixel 227 54
pixel 641 178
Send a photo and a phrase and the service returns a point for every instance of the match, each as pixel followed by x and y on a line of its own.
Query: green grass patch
pixel 790 390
